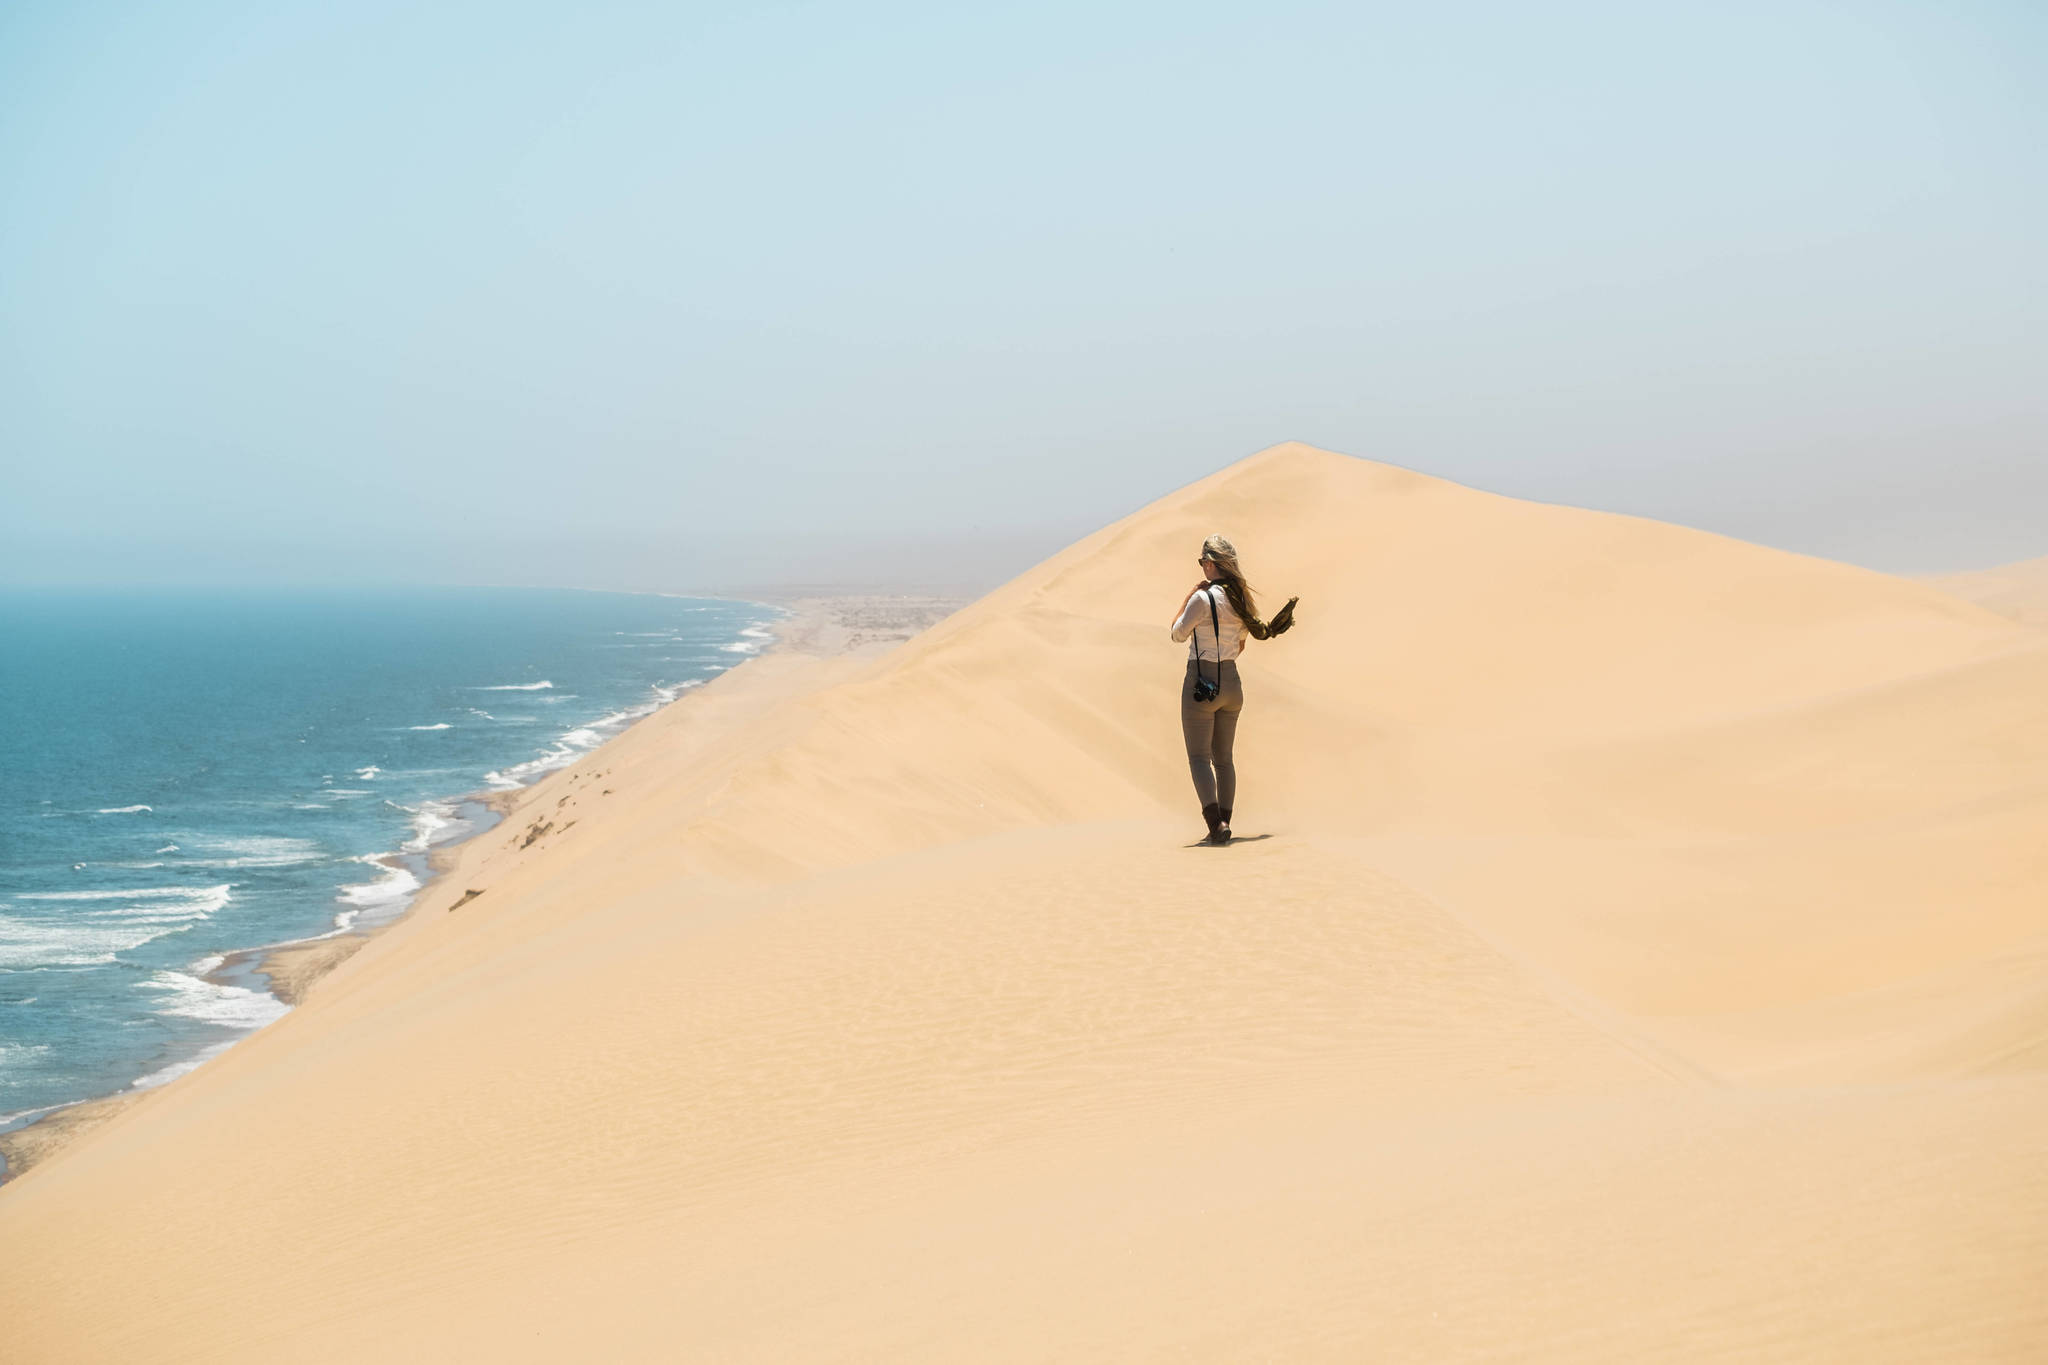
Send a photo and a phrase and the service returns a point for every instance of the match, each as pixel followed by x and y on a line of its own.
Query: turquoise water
pixel 187 774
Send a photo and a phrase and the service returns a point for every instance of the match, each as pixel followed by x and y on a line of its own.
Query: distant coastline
pixel 286 969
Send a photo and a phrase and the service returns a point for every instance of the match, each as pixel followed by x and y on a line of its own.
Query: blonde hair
pixel 1223 555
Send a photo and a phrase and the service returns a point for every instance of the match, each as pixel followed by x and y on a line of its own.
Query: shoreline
pixel 285 969
pixel 288 968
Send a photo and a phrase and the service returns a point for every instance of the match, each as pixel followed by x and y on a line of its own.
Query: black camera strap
pixel 1215 633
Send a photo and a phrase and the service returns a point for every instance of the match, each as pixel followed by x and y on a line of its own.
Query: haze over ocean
pixel 883 293
pixel 194 772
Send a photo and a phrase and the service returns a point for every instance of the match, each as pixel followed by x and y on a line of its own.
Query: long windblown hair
pixel 1223 555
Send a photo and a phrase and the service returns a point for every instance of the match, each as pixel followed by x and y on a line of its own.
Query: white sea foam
pixel 517 687
pixel 381 899
pixel 19 1114
pixel 177 1069
pixel 433 822
pixel 344 791
pixel 485 714
pixel 444 725
pixel 259 850
pixel 115 922
pixel 192 997
pixel 309 805
pixel 124 810
pixel 573 744
pixel 212 896
pixel 168 848
pixel 558 755
pixel 368 774
pixel 750 641
pixel 664 693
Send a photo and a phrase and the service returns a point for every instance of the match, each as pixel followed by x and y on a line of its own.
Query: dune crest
pixel 2019 591
pixel 1641 951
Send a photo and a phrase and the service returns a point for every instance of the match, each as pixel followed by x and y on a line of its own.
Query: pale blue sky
pixel 637 295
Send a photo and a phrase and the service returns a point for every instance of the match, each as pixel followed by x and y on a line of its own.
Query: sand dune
pixel 1640 952
pixel 2016 590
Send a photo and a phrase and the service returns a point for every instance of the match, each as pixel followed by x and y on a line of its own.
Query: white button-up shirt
pixel 1228 640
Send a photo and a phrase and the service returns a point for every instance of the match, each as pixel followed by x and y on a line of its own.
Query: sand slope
pixel 1641 951
pixel 2016 590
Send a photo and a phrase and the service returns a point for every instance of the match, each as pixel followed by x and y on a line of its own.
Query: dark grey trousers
pixel 1210 729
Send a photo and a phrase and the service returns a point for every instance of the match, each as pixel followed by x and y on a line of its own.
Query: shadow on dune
pixel 1235 839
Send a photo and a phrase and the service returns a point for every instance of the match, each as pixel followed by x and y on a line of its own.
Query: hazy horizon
pixel 625 297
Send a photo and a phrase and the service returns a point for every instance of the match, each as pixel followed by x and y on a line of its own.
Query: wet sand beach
pixel 816 624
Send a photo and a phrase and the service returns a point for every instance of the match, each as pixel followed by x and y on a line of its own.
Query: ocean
pixel 186 774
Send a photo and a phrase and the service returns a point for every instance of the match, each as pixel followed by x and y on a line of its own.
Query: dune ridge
pixel 2019 591
pixel 1640 951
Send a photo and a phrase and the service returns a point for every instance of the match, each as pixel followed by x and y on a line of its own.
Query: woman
pixel 1221 604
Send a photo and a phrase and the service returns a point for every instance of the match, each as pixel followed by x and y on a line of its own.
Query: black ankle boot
pixel 1213 815
pixel 1223 819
